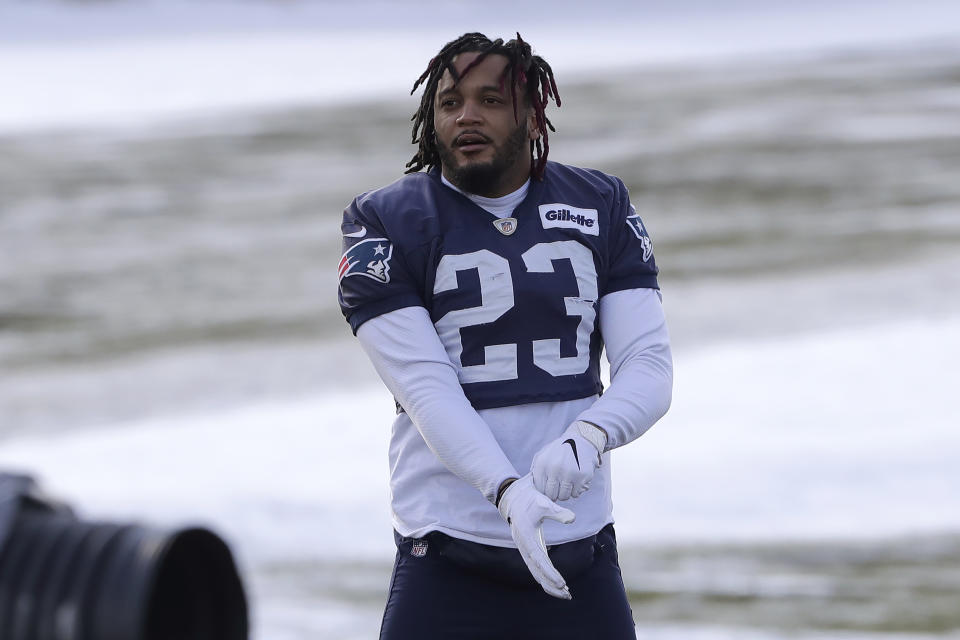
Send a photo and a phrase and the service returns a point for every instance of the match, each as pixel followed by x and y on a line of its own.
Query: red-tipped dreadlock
pixel 524 70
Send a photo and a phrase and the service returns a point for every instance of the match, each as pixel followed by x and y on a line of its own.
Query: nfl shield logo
pixel 419 548
pixel 506 226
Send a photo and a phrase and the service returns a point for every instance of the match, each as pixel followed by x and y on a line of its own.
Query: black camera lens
pixel 65 579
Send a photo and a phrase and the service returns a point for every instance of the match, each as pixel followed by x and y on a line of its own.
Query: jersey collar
pixel 531 188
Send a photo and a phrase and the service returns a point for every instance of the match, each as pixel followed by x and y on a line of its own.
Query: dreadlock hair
pixel 524 70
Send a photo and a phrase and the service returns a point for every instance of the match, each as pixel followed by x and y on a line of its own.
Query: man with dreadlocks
pixel 483 290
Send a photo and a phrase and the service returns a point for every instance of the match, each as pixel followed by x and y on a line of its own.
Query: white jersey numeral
pixel 546 353
pixel 497 297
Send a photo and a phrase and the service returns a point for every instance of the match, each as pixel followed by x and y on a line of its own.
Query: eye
pixel 493 100
pixel 448 102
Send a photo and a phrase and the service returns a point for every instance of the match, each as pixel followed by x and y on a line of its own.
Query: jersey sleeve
pixel 373 275
pixel 632 265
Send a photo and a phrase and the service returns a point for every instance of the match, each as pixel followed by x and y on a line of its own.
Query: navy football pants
pixel 446 588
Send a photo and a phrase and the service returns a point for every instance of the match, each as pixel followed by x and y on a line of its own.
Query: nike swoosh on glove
pixel 564 468
pixel 524 508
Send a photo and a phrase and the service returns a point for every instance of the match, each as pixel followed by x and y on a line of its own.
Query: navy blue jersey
pixel 513 300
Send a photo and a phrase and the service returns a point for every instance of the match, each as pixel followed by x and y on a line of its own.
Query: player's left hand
pixel 524 508
pixel 564 468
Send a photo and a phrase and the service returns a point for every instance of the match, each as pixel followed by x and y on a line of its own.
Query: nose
pixel 469 114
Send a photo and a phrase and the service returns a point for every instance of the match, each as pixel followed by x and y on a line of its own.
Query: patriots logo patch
pixel 370 258
pixel 636 226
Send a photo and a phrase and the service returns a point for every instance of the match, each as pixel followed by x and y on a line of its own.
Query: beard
pixel 485 177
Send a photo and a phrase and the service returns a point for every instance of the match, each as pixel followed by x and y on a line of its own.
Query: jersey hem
pixel 644 281
pixel 380 307
pixel 534 398
pixel 470 537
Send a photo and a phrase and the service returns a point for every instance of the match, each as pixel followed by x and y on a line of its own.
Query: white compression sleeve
pixel 407 353
pixel 641 366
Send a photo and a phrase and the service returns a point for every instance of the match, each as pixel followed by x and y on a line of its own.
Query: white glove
pixel 564 468
pixel 524 508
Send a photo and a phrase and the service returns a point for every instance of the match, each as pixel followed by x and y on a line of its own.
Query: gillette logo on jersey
pixel 370 258
pixel 564 216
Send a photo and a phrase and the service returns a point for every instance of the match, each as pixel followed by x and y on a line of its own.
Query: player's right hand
pixel 564 468
pixel 524 508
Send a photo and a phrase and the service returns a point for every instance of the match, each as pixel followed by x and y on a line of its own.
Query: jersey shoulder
pixel 405 210
pixel 593 181
pixel 591 187
pixel 406 189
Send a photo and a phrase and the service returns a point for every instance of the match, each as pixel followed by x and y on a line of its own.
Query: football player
pixel 483 286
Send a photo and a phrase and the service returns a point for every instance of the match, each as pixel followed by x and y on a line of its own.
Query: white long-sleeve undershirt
pixel 407 353
pixel 634 332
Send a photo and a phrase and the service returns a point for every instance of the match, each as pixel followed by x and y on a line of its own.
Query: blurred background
pixel 172 176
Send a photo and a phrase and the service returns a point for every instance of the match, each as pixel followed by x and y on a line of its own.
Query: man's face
pixel 483 148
